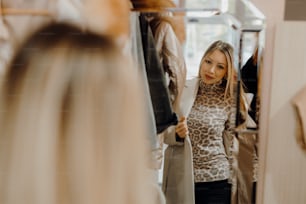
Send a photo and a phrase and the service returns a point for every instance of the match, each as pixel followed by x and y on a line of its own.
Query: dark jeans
pixel 216 192
pixel 254 193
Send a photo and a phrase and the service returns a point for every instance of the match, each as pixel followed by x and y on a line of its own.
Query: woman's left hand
pixel 181 128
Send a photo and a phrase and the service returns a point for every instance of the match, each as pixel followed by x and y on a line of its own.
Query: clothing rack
pixel 214 11
pixel 148 9
pixel 12 11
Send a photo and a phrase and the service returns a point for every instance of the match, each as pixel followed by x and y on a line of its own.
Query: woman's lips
pixel 209 77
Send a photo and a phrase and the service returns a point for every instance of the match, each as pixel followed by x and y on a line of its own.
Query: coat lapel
pixel 188 96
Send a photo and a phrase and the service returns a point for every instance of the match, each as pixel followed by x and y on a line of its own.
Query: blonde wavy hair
pixel 68 131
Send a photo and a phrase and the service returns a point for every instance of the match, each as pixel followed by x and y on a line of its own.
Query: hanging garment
pixel 164 115
pixel 27 16
pixel 135 49
pixel 249 78
pixel 95 15
pixel 137 54
pixel 247 171
pixel 5 45
pixel 171 56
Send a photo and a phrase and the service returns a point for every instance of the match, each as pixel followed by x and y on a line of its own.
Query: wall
pixel 277 6
pixel 285 169
pixel 282 177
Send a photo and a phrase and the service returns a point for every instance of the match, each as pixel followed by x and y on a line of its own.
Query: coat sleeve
pixel 172 58
pixel 169 137
pixel 231 142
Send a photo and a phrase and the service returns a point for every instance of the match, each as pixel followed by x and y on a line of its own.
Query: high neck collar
pixel 218 86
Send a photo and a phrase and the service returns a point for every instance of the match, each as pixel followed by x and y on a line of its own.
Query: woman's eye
pixel 220 67
pixel 208 61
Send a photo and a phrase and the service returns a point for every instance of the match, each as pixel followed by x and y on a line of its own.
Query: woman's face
pixel 214 67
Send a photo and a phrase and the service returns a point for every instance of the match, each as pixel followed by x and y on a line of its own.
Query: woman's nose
pixel 211 69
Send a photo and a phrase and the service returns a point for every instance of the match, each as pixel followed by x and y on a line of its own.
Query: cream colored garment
pixel 14 28
pixel 4 34
pixel 4 52
pixel 299 103
pixel 95 15
pixel 250 123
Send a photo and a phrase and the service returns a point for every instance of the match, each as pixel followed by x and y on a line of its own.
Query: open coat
pixel 178 182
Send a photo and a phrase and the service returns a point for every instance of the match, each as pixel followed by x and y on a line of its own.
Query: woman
pixel 208 107
pixel 66 134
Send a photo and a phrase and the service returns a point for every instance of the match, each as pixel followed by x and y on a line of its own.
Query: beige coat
pixel 172 57
pixel 178 182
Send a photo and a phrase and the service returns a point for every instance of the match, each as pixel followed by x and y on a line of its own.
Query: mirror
pixel 242 25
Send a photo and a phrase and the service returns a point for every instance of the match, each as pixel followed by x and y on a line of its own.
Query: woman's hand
pixel 181 128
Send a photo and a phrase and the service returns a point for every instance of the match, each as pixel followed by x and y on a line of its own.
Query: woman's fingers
pixel 181 128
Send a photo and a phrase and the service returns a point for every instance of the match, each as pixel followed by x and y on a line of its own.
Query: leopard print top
pixel 211 118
